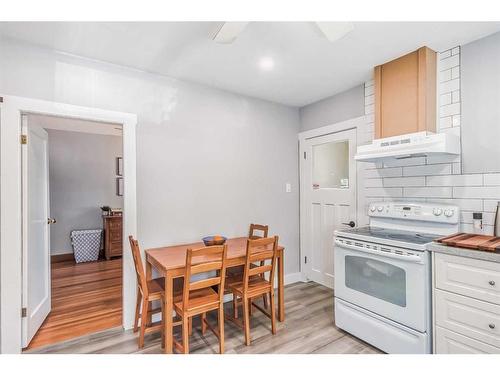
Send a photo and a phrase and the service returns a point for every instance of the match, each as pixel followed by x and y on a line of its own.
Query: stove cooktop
pixel 390 236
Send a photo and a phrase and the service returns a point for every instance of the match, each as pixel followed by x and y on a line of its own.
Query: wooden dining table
pixel 170 262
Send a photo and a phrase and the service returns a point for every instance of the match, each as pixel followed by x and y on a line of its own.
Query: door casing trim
pixel 355 123
pixel 11 212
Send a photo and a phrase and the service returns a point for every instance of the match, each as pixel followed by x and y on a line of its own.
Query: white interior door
pixel 328 195
pixel 36 253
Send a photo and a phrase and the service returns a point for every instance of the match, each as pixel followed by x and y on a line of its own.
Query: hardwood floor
pixel 86 298
pixel 308 328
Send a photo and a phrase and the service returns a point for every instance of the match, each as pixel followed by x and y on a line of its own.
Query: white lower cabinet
pixel 449 342
pixel 466 313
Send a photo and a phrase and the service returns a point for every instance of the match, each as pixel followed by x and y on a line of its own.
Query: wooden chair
pixel 236 273
pixel 199 297
pixel 148 292
pixel 254 283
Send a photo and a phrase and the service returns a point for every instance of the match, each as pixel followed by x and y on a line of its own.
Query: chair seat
pixel 256 285
pixel 156 287
pixel 201 299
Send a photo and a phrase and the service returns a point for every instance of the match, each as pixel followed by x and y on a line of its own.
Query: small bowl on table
pixel 214 240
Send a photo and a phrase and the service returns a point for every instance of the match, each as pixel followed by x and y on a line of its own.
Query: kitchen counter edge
pixel 458 251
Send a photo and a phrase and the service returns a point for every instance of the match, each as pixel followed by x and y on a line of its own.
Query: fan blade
pixel 227 32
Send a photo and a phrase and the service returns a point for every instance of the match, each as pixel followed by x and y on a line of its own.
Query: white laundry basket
pixel 86 244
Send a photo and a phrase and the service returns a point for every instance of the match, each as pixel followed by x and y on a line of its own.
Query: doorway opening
pixel 72 179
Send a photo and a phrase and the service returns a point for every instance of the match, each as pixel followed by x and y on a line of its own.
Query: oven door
pixel 391 283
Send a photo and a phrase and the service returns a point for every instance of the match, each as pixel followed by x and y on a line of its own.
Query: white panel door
pixel 328 195
pixel 36 254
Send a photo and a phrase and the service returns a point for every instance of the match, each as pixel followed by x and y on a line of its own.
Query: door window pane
pixel 331 165
pixel 377 279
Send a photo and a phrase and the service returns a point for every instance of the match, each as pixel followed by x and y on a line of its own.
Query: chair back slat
pixel 201 284
pixel 263 249
pixel 139 268
pixel 260 269
pixel 205 259
pixel 258 227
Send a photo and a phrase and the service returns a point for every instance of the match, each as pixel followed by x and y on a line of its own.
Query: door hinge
pixel 23 312
pixel 1 99
pixel 304 154
pixel 305 260
pixel 24 139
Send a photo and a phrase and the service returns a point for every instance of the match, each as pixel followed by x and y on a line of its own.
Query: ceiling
pixel 307 67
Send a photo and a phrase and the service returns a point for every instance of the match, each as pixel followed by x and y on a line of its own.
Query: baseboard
pixel 62 257
pixel 292 278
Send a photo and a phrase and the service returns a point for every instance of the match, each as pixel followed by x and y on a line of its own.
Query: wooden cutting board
pixel 472 241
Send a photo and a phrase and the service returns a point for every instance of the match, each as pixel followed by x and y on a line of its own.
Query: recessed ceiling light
pixel 266 63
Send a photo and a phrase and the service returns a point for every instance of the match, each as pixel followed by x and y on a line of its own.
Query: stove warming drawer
pixel 383 333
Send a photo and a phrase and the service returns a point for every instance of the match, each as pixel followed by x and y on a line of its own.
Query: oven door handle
pixel 405 258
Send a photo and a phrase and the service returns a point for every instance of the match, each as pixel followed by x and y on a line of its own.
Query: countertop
pixel 467 253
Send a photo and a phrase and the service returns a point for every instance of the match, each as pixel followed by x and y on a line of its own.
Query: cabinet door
pixel 448 342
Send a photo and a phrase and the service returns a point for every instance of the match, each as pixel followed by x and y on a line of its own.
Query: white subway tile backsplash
pixel 464 204
pixel 384 192
pixel 444 54
pixel 405 162
pixel 369 90
pixel 486 192
pixel 469 228
pixel 404 181
pixel 455 72
pixel 488 217
pixel 490 205
pixel 370 99
pixel 384 172
pixel 492 179
pixel 449 62
pixel 455 51
pixel 428 192
pixel 369 83
pixel 456 168
pixel 445 75
pixel 449 86
pixel 455 180
pixel 449 109
pixel 445 99
pixel 373 182
pixel 455 96
pixel 445 122
pixel 369 109
pixel 455 120
pixel 427 170
pixel 440 159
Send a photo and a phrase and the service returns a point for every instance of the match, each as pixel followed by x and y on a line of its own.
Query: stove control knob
pixel 437 211
pixel 373 208
pixel 380 208
pixel 448 213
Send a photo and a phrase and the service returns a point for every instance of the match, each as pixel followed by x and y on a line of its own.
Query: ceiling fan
pixel 227 32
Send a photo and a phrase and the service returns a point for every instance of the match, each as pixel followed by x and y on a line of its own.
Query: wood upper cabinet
pixel 405 94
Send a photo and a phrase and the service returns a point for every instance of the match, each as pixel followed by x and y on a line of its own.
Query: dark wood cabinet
pixel 113 236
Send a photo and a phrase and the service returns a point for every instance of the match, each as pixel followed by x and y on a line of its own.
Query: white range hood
pixel 408 146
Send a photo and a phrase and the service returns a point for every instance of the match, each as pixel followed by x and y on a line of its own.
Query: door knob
pixel 352 224
pixel 491 325
pixel 492 283
pixel 51 221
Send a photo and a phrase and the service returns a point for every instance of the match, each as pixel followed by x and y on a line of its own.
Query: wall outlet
pixel 288 187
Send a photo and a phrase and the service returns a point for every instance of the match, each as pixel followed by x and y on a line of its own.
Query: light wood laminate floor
pixel 308 328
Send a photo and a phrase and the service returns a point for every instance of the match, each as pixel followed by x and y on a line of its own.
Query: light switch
pixel 288 187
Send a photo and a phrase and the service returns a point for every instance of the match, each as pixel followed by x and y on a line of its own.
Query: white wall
pixel 337 108
pixel 80 182
pixel 208 161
